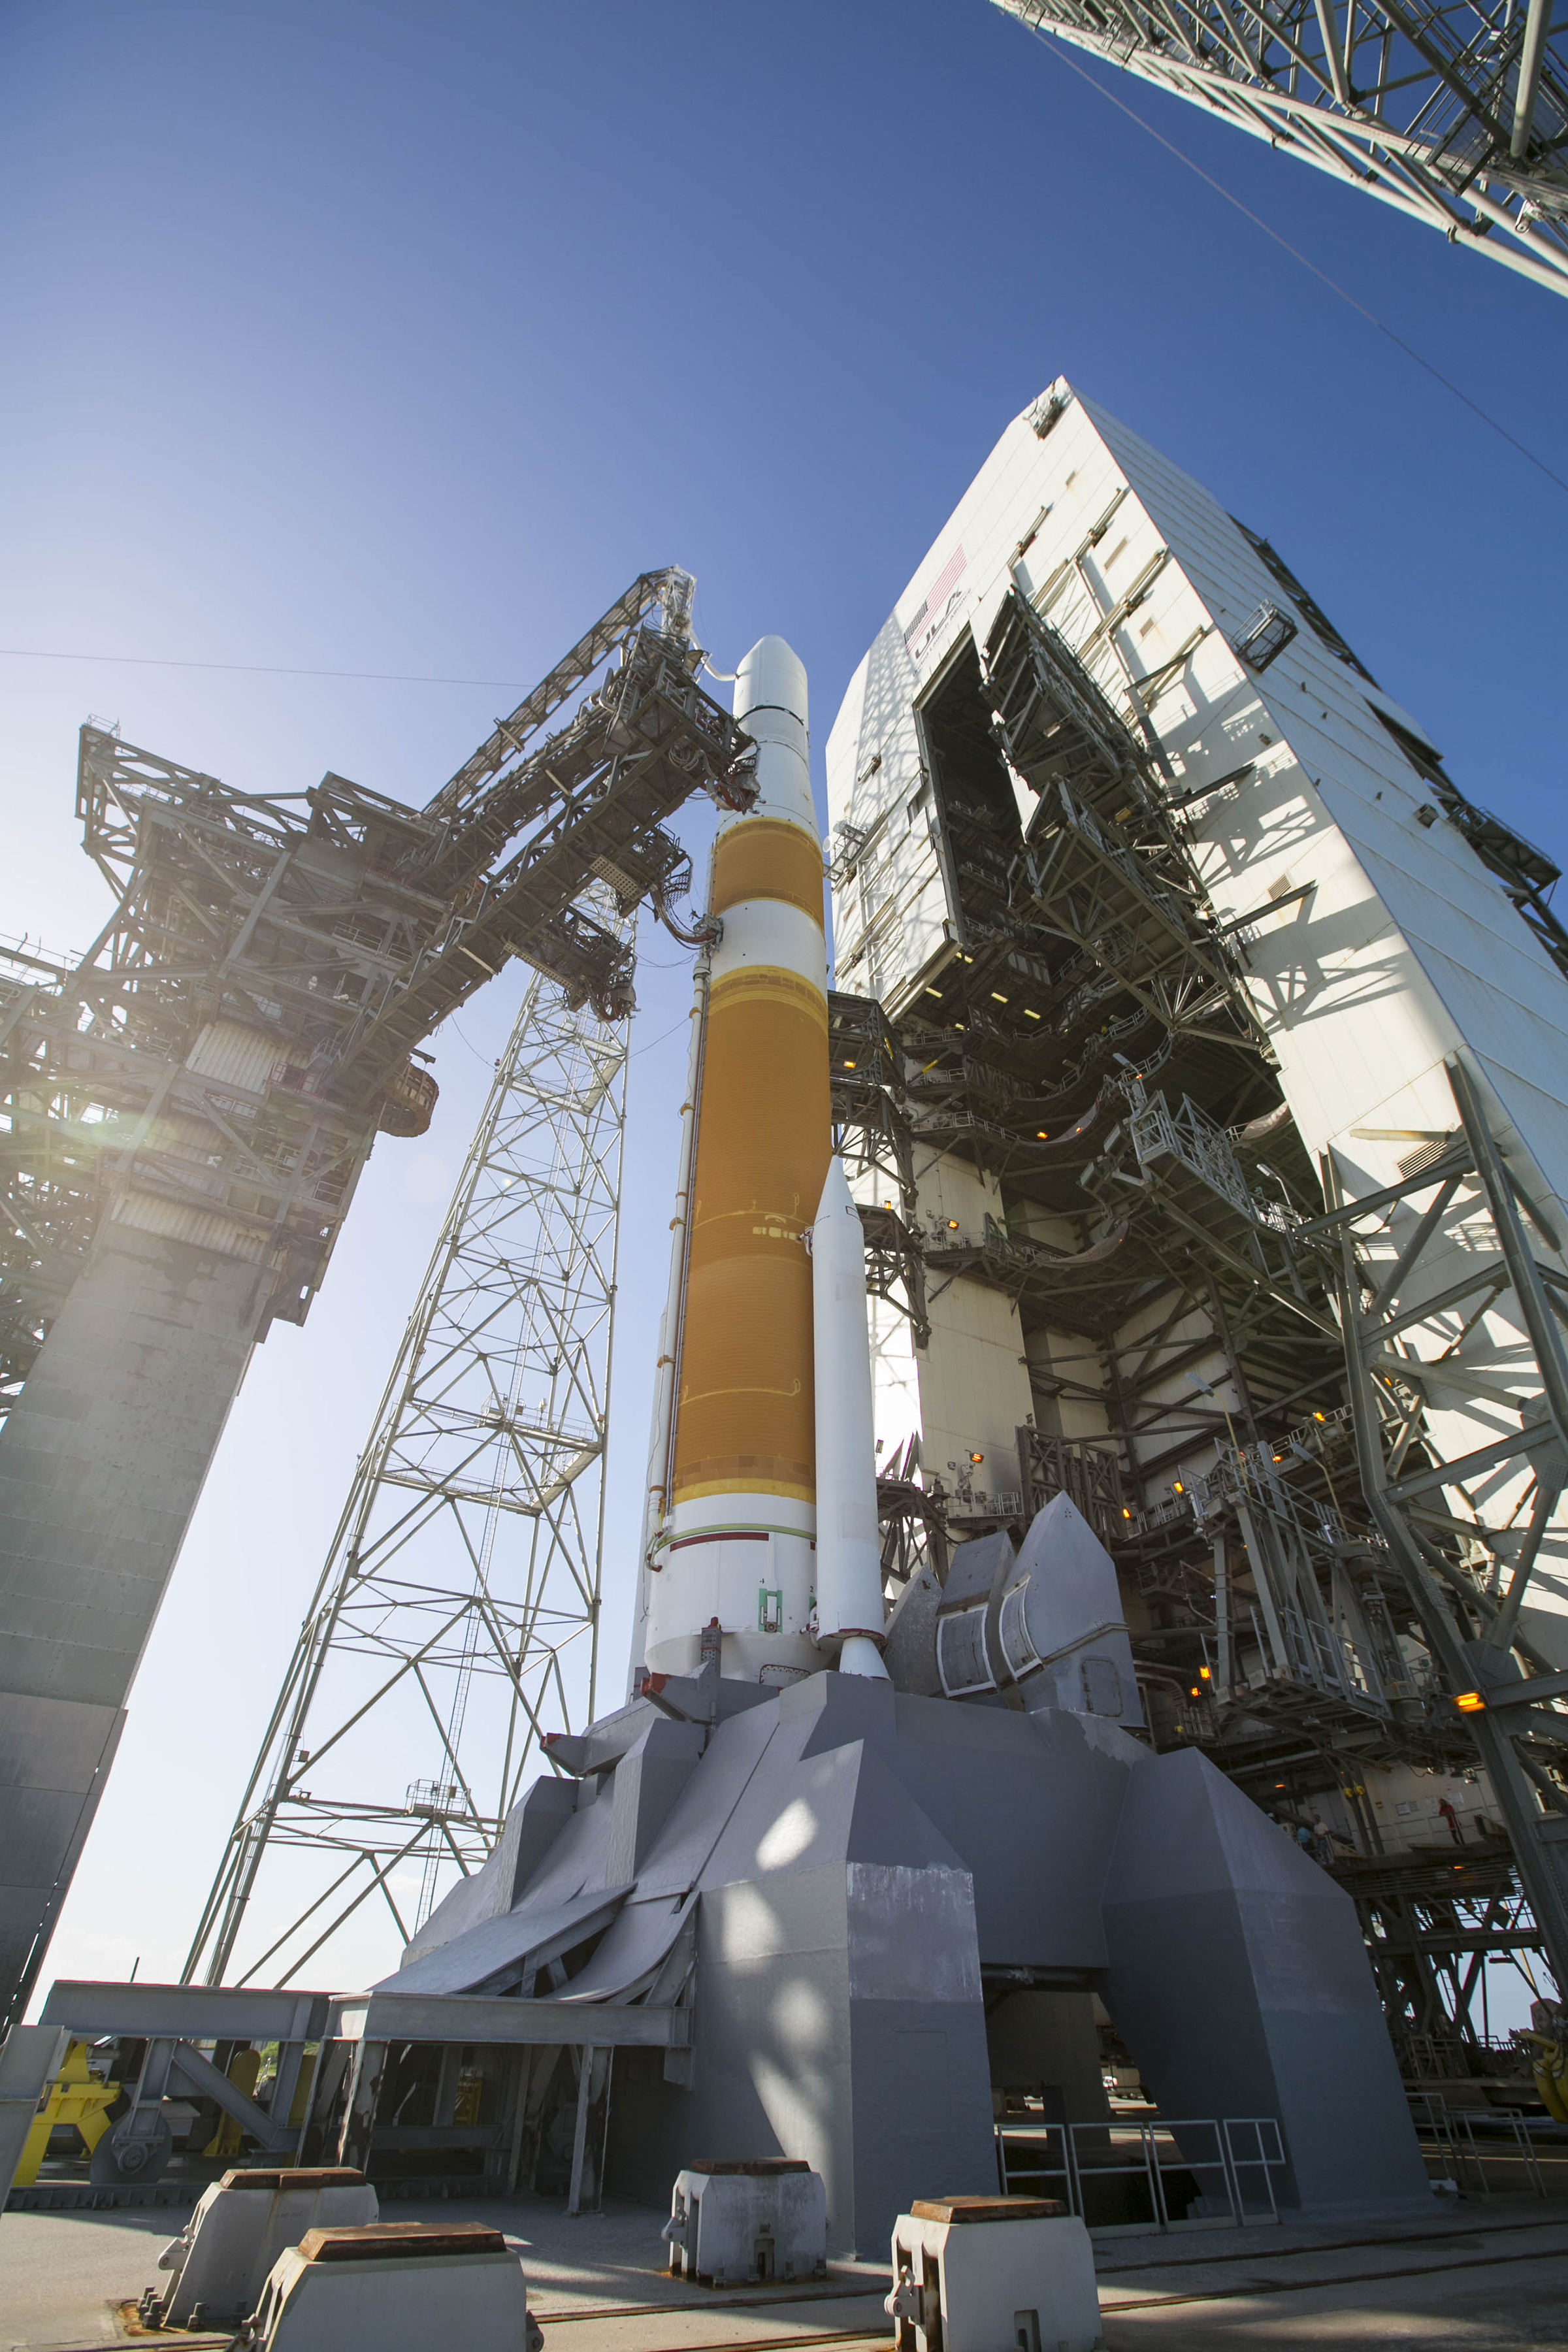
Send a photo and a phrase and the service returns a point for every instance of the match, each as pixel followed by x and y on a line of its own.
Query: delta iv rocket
pixel 738 1444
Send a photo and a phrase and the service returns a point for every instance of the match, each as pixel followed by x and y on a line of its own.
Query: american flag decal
pixel 936 598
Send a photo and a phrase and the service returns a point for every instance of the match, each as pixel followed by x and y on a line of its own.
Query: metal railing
pixel 1504 2139
pixel 1190 1137
pixel 1188 2173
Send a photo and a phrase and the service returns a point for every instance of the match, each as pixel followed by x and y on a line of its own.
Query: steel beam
pixel 383 2017
pixel 91 2008
pixel 1462 1663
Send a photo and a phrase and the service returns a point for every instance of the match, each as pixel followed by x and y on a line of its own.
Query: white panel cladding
pixel 975 1388
pixel 890 916
pixel 1405 1799
pixel 1333 800
pixel 1065 1356
pixel 968 1393
pixel 895 1381
pixel 974 1383
pixel 1404 947
pixel 1205 1406
pixel 1431 918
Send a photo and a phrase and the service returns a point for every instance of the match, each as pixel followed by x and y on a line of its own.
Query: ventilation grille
pixel 1425 1158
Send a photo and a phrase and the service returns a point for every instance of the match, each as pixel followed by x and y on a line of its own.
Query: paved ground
pixel 1490 2275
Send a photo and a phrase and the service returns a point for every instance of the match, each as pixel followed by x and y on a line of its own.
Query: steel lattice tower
pixel 457 1616
pixel 1457 115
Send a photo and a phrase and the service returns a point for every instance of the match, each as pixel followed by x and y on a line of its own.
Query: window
pixel 1266 636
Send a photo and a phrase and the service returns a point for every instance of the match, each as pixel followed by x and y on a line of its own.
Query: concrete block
pixel 993 2274
pixel 402 2286
pixel 753 2218
pixel 222 2258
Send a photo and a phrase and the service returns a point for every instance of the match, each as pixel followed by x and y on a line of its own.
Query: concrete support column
pixel 101 1460
pixel 30 2058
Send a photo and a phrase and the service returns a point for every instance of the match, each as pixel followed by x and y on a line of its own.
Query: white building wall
pixel 968 1393
pixel 1409 911
pixel 1406 917
pixel 1404 949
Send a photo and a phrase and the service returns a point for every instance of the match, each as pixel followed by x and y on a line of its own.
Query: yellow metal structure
pixel 1550 2072
pixel 243 2069
pixel 75 2097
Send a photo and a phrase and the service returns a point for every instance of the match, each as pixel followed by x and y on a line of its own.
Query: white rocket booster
pixel 735 1543
pixel 763 1404
pixel 849 1551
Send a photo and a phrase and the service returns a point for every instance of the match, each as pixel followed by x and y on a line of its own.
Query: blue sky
pixel 399 339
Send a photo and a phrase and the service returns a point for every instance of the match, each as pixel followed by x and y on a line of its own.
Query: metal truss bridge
pixel 1458 115
pixel 217 1065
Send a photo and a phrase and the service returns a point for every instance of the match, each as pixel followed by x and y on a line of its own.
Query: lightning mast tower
pixel 457 1616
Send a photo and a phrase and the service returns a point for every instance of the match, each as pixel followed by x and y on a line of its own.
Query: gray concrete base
pixel 869 1873
pixel 1493 2273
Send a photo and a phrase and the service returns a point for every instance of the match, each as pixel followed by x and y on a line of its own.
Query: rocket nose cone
pixel 771 676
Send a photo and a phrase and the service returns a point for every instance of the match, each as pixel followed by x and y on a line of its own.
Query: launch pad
pixel 839 1921
pixel 881 1907
pixel 605 2288
pixel 917 1790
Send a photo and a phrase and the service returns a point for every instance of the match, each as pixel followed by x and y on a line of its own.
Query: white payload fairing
pixel 762 1514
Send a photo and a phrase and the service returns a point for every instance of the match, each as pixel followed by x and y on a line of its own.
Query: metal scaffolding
pixel 1433 1922
pixel 1456 1311
pixel 1315 1601
pixel 457 1618
pixel 216 1066
pixel 1457 116
pixel 185 1111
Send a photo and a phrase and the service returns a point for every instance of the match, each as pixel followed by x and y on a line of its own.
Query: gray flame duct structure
pixel 1043 1625
pixel 878 1901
